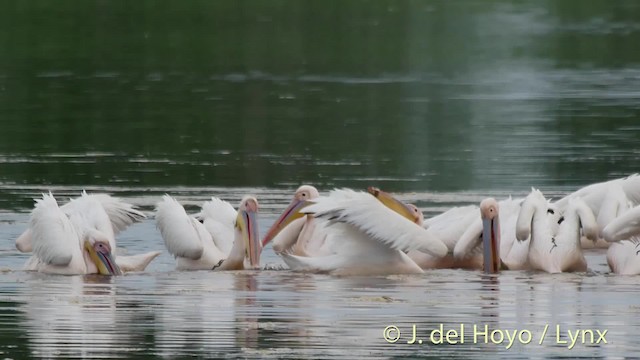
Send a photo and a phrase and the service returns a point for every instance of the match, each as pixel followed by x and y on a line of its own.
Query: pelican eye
pixel 550 211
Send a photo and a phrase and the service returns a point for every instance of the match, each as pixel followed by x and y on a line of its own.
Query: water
pixel 441 102
pixel 275 313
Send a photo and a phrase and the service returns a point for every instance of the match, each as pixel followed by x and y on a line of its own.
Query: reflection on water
pixel 280 314
pixel 277 314
pixel 69 314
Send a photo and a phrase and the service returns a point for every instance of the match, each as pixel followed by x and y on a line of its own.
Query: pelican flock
pixel 347 232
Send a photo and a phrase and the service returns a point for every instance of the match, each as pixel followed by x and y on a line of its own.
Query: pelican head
pixel 418 216
pixel 490 235
pixel 247 225
pixel 411 212
pixel 292 212
pixel 100 252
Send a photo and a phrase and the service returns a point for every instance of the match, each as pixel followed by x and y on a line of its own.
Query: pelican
pixel 460 223
pixel 624 232
pixel 364 237
pixel 195 248
pixel 80 242
pixel 596 194
pixel 448 227
pixel 121 215
pixel 614 204
pixel 607 200
pixel 624 226
pixel 481 241
pixel 623 257
pixel 553 250
pixel 513 254
pixel 295 232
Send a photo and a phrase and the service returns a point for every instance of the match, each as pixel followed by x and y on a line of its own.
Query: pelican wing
pixel 594 194
pixel 525 215
pixel 53 235
pixel 121 214
pixel 631 186
pixel 624 226
pixel 23 242
pixel 218 217
pixel 183 235
pixel 218 209
pixel 469 240
pixel 622 257
pixel 364 212
pixel 450 225
pixel 136 262
pixel 587 219
pixel 87 212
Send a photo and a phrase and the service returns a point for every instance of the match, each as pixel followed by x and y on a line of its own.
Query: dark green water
pixel 435 95
pixel 457 98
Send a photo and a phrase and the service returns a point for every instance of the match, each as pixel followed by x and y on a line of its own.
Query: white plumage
pixel 58 238
pixel 186 238
pixel 513 253
pixel 56 241
pixel 218 217
pixel 364 237
pixel 624 226
pixel 555 247
pixel 366 214
pixel 120 214
pixel 195 248
pixel 56 233
pixel 623 257
pixel 607 200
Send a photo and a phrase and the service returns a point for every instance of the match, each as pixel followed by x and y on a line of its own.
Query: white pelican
pixel 121 215
pixel 80 242
pixel 302 234
pixel 295 232
pixel 595 194
pixel 448 227
pixel 195 248
pixel 624 232
pixel 513 254
pixel 623 256
pixel 364 237
pixel 555 251
pixel 607 200
pixel 481 241
pixel 624 226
